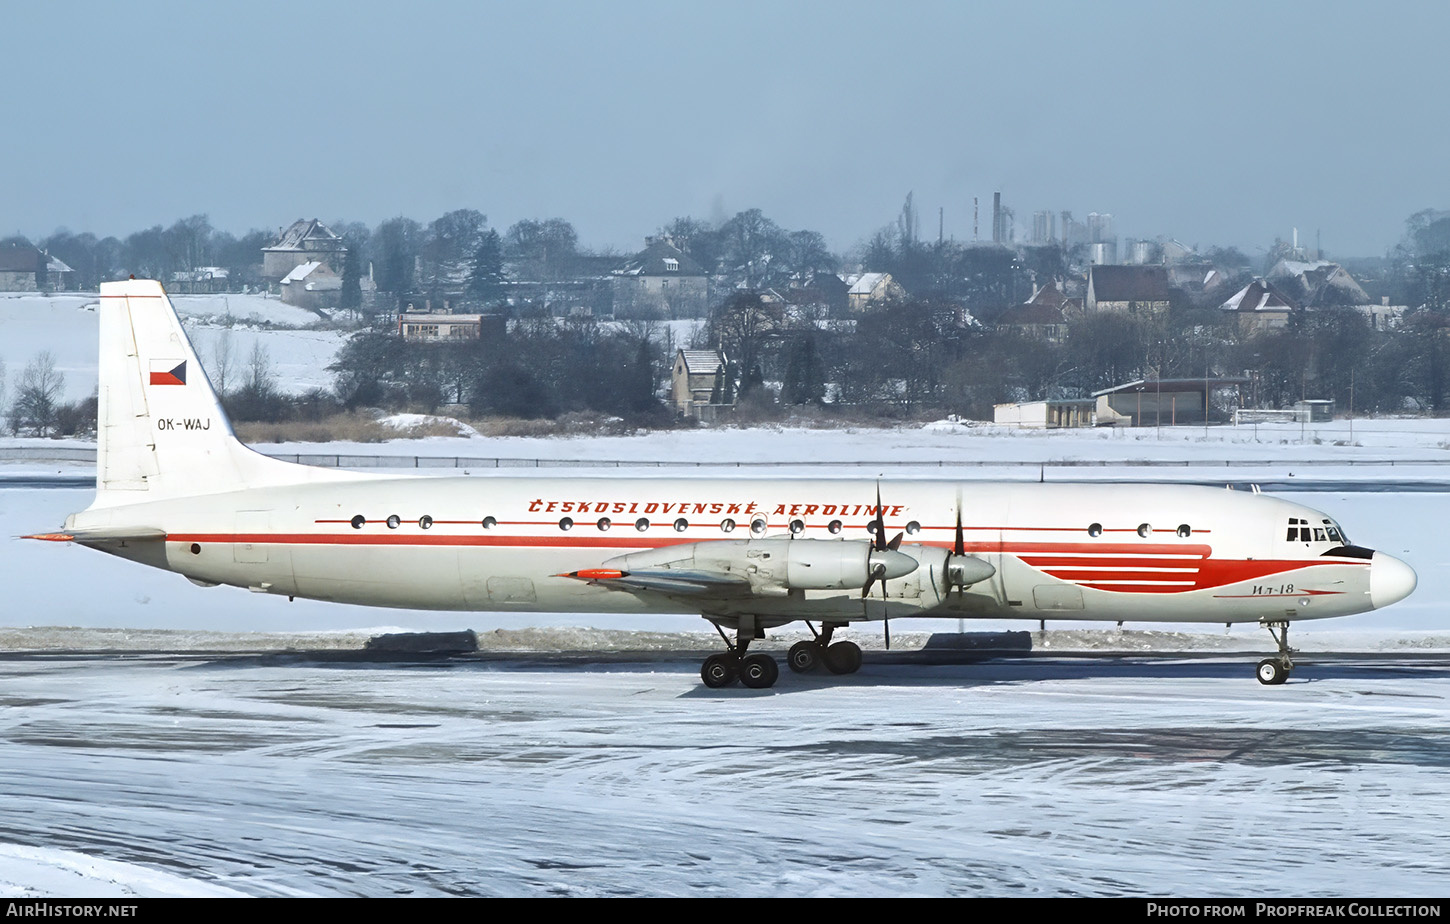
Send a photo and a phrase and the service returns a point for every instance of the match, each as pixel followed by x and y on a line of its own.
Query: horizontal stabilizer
pixel 102 534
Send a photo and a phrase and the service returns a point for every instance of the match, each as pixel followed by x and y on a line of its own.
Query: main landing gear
pixel 839 658
pixel 759 671
pixel 1274 671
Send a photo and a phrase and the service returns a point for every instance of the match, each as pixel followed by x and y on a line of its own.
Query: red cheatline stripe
pixel 1106 572
pixel 1126 561
pixel 624 540
pixel 1142 588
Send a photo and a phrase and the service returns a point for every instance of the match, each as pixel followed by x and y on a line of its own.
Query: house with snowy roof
pixel 20 270
pixel 698 386
pixel 868 289
pixel 305 241
pixel 660 281
pixel 1260 306
pixel 1318 284
pixel 311 285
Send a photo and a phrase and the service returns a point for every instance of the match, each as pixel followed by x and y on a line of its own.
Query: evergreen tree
pixel 352 280
pixel 804 379
pixel 641 378
pixel 486 278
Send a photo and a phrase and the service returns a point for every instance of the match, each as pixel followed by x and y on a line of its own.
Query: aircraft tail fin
pixel 161 430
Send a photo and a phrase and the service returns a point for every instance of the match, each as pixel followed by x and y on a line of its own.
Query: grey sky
pixel 1224 123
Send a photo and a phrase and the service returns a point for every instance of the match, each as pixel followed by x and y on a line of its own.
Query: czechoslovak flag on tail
pixel 168 372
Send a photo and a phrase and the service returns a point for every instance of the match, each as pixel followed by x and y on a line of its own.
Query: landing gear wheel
pixel 1272 672
pixel 804 657
pixel 758 671
pixel 718 671
pixel 843 658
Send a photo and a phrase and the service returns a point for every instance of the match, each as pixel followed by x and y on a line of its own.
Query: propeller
pixel 963 571
pixel 877 564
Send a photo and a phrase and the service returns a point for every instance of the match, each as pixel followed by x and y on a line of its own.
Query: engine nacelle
pixel 938 577
pixel 777 564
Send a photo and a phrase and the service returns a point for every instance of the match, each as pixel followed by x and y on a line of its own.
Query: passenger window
pixel 1095 530
pixel 727 525
pixel 1185 531
pixel 797 527
pixel 641 524
pixel 603 524
pixel 834 526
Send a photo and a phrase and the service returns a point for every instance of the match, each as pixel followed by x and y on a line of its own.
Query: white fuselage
pixel 1065 551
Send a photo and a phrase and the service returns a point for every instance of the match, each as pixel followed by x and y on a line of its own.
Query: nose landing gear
pixel 1274 671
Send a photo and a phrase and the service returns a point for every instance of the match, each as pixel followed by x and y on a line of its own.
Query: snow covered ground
pixel 295 775
pixel 65 325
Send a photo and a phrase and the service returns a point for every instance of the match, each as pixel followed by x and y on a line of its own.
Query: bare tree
pixel 260 379
pixel 37 397
pixel 223 359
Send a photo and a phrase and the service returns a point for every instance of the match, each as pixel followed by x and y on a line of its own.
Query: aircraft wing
pixel 673 581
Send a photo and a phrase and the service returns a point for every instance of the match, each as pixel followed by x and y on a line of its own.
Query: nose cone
pixel 1390 580
pixel 897 564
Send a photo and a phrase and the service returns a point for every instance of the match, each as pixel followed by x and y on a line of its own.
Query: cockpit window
pixel 1327 531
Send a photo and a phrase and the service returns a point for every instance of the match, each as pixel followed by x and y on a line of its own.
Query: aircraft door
pixel 250 525
pixel 261 562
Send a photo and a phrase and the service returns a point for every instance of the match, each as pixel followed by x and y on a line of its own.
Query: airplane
pixel 176 490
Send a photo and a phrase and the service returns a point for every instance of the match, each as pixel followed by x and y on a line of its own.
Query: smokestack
pixel 996 218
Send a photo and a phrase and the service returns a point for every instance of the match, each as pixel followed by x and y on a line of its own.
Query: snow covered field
pixel 289 775
pixel 65 325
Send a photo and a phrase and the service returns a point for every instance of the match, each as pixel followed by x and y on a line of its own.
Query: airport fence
pixel 365 461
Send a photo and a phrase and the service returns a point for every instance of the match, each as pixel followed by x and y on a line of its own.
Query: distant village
pixel 1067 326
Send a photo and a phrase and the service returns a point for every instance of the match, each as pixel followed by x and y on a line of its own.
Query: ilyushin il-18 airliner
pixel 176 490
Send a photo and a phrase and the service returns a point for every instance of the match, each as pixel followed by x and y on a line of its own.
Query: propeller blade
pixel 895 544
pixel 886 624
pixel 959 546
pixel 880 522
